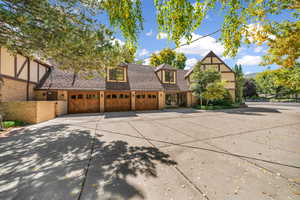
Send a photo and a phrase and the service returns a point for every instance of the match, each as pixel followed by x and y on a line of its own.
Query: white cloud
pixel 249 60
pixel 258 49
pixel 143 52
pixel 248 73
pixel 161 36
pixel 202 46
pixel 149 33
pixel 147 61
pixel 190 63
pixel 119 41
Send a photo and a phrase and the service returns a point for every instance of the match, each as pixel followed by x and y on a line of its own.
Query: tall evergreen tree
pixel 239 84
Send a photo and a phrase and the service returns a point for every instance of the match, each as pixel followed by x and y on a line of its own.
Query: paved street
pixel 181 154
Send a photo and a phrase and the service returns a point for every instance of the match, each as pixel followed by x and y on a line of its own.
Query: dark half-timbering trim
pixel 15 66
pixel 38 72
pixel 22 67
pixel 16 79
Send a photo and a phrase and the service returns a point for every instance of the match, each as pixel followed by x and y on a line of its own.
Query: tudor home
pixel 126 87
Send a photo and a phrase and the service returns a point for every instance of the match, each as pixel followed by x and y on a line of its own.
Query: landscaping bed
pixel 8 125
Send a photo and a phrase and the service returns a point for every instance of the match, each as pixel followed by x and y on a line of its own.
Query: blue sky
pixel 248 56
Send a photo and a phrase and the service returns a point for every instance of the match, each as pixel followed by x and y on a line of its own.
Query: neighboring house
pixel 126 87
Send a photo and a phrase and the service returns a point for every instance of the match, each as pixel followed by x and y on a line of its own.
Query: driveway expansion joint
pixel 89 160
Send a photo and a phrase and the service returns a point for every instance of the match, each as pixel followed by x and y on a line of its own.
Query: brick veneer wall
pixel 33 111
pixel 15 90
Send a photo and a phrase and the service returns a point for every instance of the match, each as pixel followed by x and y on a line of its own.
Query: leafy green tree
pixel 52 27
pixel 289 78
pixel 244 21
pixel 201 79
pixel 214 91
pixel 267 83
pixel 65 32
pixel 168 56
pixel 239 84
pixel 180 60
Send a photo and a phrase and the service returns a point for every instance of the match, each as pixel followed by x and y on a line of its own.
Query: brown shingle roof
pixel 164 66
pixel 140 77
pixel 58 79
pixel 143 77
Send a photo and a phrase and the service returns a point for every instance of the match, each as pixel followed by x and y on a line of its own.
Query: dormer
pixel 167 74
pixel 117 74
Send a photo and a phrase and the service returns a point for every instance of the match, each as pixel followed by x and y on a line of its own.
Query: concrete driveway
pixel 241 154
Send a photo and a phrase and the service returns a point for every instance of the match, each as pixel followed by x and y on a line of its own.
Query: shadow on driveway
pixel 51 162
pixel 257 111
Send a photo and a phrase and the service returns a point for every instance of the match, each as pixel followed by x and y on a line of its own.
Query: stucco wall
pixel 161 100
pixel 16 90
pixel 132 100
pixel 61 108
pixel 29 111
pixel 232 93
pixel 189 98
pixel 102 106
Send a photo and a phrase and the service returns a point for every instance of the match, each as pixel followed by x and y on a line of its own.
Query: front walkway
pixel 250 153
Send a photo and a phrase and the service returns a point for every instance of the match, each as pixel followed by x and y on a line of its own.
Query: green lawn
pixel 8 124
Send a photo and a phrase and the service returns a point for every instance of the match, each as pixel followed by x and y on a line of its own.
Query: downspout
pixel 28 79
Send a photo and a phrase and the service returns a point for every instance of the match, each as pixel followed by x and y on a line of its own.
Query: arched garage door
pixel 117 101
pixel 146 100
pixel 84 102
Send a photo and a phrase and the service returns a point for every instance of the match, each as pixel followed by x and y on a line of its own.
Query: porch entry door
pixel 178 99
pixel 146 100
pixel 117 101
pixel 84 102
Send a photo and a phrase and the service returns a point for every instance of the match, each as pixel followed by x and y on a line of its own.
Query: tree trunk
pixel 200 102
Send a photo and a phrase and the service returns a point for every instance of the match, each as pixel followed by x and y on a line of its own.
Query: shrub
pixel 226 101
pixel 8 124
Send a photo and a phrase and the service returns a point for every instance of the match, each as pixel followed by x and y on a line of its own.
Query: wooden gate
pixel 84 102
pixel 117 101
pixel 146 100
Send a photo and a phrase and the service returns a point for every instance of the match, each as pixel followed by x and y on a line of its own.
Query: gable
pixel 211 60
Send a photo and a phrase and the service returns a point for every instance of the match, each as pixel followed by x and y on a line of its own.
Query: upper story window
pixel 117 74
pixel 169 76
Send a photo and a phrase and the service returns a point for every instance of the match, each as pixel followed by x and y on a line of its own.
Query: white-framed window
pixel 117 74
pixel 169 76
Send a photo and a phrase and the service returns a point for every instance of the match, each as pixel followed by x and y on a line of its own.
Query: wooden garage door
pixel 117 101
pixel 146 100
pixel 84 102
